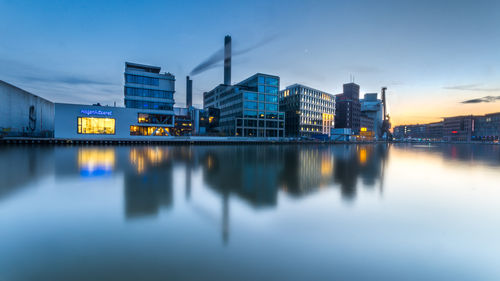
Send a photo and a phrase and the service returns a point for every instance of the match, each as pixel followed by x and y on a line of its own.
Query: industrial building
pixel 24 114
pixel 308 112
pixel 348 108
pixel 372 108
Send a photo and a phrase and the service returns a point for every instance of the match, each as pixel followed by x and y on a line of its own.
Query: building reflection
pixel 96 162
pixel 22 165
pixel 148 185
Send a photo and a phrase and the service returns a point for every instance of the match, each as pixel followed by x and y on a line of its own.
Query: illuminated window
pixel 92 125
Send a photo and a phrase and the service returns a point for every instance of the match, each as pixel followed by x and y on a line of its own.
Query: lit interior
pixel 92 125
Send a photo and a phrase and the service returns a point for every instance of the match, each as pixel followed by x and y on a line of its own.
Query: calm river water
pixel 309 212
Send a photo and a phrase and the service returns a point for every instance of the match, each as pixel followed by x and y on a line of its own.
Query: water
pixel 310 212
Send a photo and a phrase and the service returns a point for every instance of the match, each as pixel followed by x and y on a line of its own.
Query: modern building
pixel 487 128
pixel 458 128
pixel 152 92
pixel 348 108
pixel 249 108
pixel 308 111
pixel 90 122
pixel 24 114
pixel 372 107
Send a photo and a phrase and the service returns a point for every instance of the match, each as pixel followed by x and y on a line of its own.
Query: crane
pixel 386 124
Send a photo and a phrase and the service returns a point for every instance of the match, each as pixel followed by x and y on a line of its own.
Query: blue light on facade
pixel 96 112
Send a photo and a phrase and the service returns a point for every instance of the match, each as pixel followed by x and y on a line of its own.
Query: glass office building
pixel 249 108
pixel 153 93
pixel 307 111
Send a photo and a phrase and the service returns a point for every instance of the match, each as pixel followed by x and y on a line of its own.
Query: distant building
pixel 348 108
pixel 373 108
pixel 153 93
pixel 249 108
pixel 366 131
pixel 435 131
pixel 487 127
pixel 458 128
pixel 307 111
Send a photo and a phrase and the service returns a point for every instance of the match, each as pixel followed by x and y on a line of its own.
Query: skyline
pixel 427 54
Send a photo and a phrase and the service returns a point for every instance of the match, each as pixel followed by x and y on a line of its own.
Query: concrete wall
pixel 24 114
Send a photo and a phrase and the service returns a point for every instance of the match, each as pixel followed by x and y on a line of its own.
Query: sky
pixel 437 58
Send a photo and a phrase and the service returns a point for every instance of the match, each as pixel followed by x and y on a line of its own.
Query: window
pixel 250 105
pixel 261 106
pixel 154 118
pixel 271 90
pixel 98 126
pixel 271 98
pixel 250 96
pixel 262 97
pixel 262 89
pixel 250 113
pixel 149 131
pixel 272 81
pixel 148 105
pixel 140 92
pixel 271 107
pixel 261 80
pixel 136 79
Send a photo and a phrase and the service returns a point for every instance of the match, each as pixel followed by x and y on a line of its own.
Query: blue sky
pixel 432 55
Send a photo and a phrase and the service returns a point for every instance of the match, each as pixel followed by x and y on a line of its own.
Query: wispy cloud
pixel 60 86
pixel 483 99
pixel 472 88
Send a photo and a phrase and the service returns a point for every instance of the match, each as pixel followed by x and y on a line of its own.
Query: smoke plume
pixel 218 57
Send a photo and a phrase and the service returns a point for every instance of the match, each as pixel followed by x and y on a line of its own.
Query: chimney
pixel 189 92
pixel 227 60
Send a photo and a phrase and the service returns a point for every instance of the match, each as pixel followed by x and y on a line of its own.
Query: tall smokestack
pixel 227 60
pixel 189 92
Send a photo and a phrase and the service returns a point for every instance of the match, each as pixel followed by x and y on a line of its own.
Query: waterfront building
pixel 24 114
pixel 458 128
pixel 366 130
pixel 348 108
pixel 183 122
pixel 307 111
pixel 435 131
pixel 152 92
pixel 91 122
pixel 373 108
pixel 487 127
pixel 249 108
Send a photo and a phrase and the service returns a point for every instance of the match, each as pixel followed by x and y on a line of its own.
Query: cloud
pixel 472 87
pixel 483 99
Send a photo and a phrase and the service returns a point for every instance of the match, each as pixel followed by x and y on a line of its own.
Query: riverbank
pixel 200 141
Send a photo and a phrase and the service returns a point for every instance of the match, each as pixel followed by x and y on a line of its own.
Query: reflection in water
pixel 20 165
pixel 149 187
pixel 96 162
pixel 90 224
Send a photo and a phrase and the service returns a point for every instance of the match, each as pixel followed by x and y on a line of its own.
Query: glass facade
pixel 149 131
pixel 96 126
pixel 148 105
pixel 152 118
pixel 308 111
pixel 137 79
pixel 249 108
pixel 140 92
pixel 150 91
